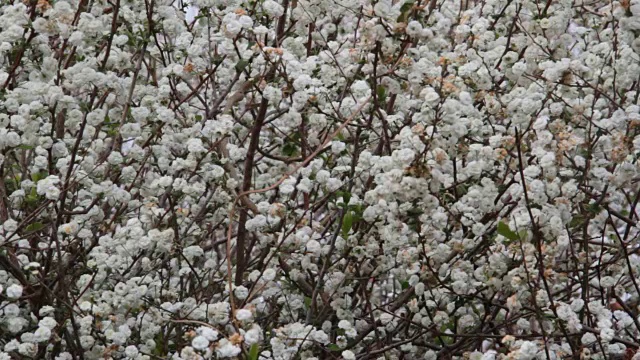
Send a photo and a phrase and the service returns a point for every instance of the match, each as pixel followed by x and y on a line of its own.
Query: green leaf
pixel 254 352
pixel 159 349
pixel 381 91
pixel 35 177
pixel 347 222
pixel 289 149
pixel 31 199
pixel 462 189
pixel 446 340
pixel 406 6
pixel 217 60
pixel 346 196
pixel 577 220
pixel 504 230
pixel 405 9
pixel 241 65
pixel 522 234
pixel 594 208
pixel 358 210
pixel 34 227
pixel 334 347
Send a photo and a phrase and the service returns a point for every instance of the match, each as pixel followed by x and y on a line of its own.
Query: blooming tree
pixel 284 179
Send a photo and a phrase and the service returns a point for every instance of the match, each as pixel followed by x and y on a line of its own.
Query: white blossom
pixel 200 343
pixel 244 315
pixel 348 355
pixel 14 291
pixel 48 188
pixel 226 349
pixel 208 333
pixel 272 8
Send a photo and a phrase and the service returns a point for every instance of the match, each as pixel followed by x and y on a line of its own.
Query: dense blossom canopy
pixel 298 179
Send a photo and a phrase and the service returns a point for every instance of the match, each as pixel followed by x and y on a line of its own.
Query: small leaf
pixel 346 196
pixel 334 347
pixel 576 221
pixel 254 351
pixel 241 65
pixel 594 208
pixel 462 189
pixel 522 234
pixel 406 6
pixel 35 177
pixel 34 227
pixel 504 230
pixel 381 91
pixel 289 149
pixel 443 339
pixel 347 222
pixel 31 199
pixel 159 349
pixel 405 9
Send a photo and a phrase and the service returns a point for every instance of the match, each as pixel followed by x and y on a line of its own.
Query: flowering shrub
pixel 284 179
